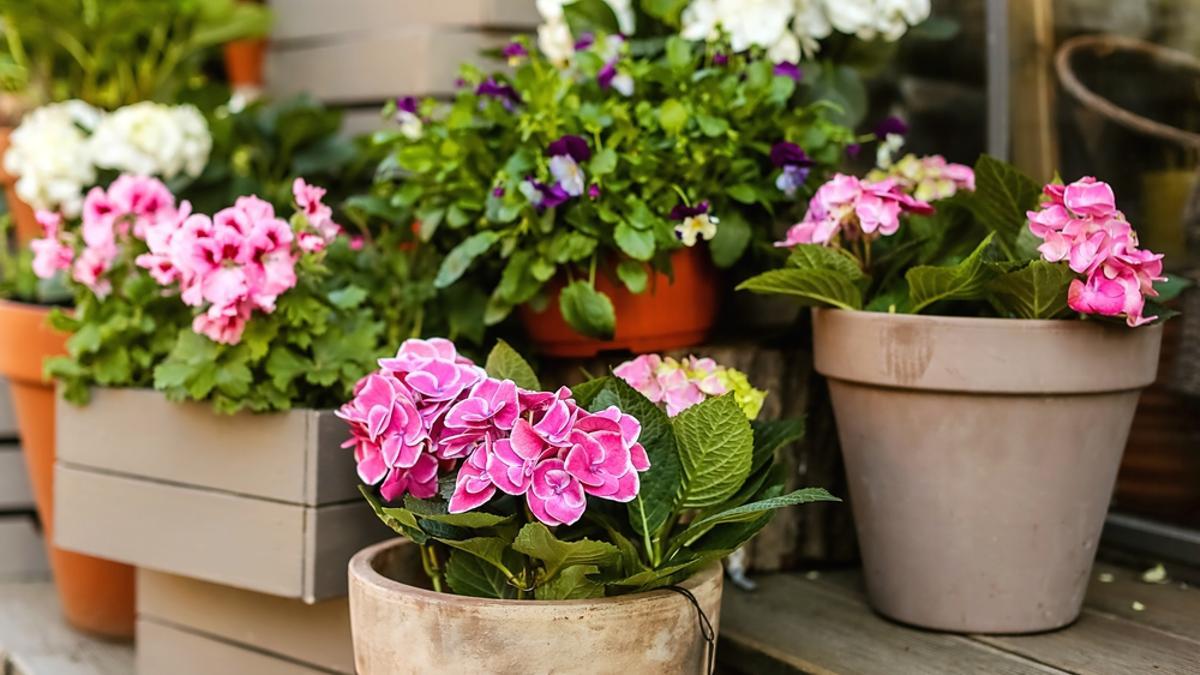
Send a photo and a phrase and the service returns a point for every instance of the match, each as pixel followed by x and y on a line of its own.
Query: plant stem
pixel 429 562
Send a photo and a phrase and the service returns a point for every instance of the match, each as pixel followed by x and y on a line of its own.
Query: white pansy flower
pixel 569 175
pixel 49 155
pixel 556 42
pixel 411 126
pixel 694 228
pixel 151 139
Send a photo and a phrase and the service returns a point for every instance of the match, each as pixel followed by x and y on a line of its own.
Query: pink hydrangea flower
pixel 854 209
pixel 1080 223
pixel 928 178
pixel 677 385
pixel 430 407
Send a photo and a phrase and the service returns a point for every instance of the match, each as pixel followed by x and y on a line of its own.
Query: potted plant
pixel 536 519
pixel 981 434
pixel 600 188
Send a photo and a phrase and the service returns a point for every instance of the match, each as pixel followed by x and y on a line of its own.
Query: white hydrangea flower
pixel 762 23
pixel 151 139
pixel 49 154
pixel 554 35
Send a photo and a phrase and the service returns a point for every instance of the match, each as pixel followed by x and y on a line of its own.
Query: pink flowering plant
pixel 247 308
pixel 515 491
pixel 930 236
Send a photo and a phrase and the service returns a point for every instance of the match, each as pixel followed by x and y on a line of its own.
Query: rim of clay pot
pixel 983 354
pixel 363 569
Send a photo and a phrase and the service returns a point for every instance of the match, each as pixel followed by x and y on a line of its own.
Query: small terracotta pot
pixel 96 595
pixel 244 62
pixel 981 456
pixel 670 314
pixel 23 217
pixel 400 628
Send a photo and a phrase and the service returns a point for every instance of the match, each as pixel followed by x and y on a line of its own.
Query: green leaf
pixel 815 256
pixel 967 280
pixel 587 310
pixel 679 53
pixel 770 436
pixel 1002 196
pixel 537 541
pixel 633 274
pixel 812 286
pixel 751 511
pixel 1038 291
pixel 488 549
pixel 604 162
pixel 436 510
pixel 590 16
pixel 1171 288
pixel 637 244
pixel 733 236
pixel 400 520
pixel 460 257
pixel 504 363
pixel 572 584
pixel 348 298
pixel 716 446
pixel 673 116
pixel 743 193
pixel 468 575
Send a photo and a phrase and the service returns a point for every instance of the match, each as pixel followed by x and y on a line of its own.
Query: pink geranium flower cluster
pixel 853 208
pixel 132 205
pixel 238 261
pixel 1080 223
pixel 429 410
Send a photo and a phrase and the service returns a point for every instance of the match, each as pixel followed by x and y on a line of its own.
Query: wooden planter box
pixel 189 627
pixel 266 503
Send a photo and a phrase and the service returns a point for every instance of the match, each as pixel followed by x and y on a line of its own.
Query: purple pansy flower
pixel 586 40
pixel 683 211
pixel 498 191
pixel 593 191
pixel 853 149
pixel 794 165
pixel 788 69
pixel 575 147
pixel 720 59
pixel 606 75
pixel 566 154
pixel 543 196
pixel 514 50
pixel 890 125
pixel 407 104
pixel 499 90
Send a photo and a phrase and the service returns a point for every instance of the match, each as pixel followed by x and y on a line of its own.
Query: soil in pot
pixel 671 314
pixel 981 456
pixel 97 595
pixel 401 627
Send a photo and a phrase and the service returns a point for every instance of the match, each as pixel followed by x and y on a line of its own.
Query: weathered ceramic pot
pixel 981 456
pixel 401 627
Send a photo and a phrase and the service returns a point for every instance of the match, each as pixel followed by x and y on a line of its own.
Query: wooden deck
pixel 820 623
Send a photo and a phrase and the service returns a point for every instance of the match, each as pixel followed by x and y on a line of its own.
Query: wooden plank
pixel 8 422
pixel 802 627
pixel 238 541
pixel 22 552
pixel 377 66
pixel 1173 607
pixel 318 634
pixel 292 457
pixel 14 481
pixel 270 547
pixel 1100 644
pixel 38 642
pixel 164 648
pixel 306 19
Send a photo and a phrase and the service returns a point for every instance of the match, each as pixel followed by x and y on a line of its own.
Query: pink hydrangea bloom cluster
pixel 853 208
pixel 132 205
pixel 677 385
pixel 238 261
pixel 1080 223
pixel 429 411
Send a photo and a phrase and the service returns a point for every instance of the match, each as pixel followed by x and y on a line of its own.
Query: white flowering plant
pixel 606 162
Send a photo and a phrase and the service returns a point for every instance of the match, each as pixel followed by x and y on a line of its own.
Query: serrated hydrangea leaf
pixel 716 446
pixel 1002 196
pixel 572 583
pixel 1038 291
pixel 537 541
pixel 751 511
pixel 816 256
pixel 468 575
pixel 504 363
pixel 811 286
pixel 770 435
pixel 968 280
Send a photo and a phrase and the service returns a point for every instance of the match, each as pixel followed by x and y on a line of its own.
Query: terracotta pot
pixel 244 62
pixel 981 456
pixel 96 595
pixel 670 314
pixel 23 218
pixel 401 628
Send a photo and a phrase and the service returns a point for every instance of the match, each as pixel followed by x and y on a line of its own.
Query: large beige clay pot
pixel 981 456
pixel 400 628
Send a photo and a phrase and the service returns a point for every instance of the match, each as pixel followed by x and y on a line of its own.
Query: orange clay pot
pixel 96 595
pixel 244 62
pixel 670 314
pixel 23 219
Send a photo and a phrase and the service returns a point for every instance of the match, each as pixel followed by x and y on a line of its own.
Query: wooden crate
pixel 266 503
pixel 310 20
pixel 187 626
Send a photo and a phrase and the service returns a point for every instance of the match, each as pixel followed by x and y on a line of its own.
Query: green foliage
pixel 504 363
pixel 1038 291
pixel 815 274
pixel 689 132
pixel 712 484
pixel 116 52
pixel 967 280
